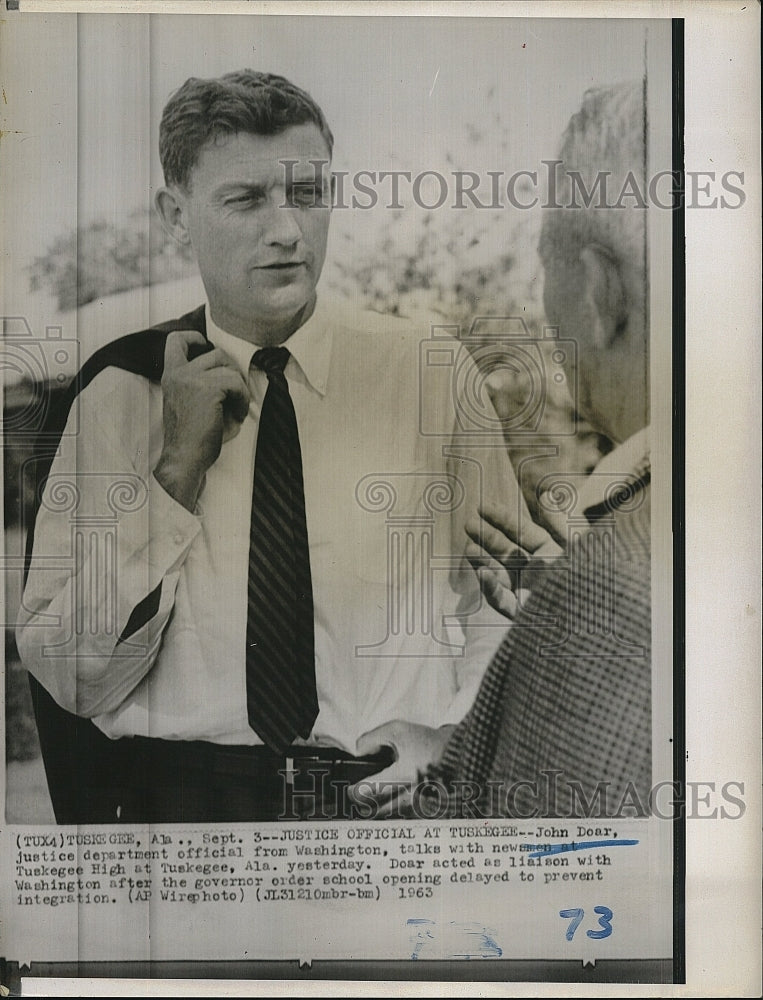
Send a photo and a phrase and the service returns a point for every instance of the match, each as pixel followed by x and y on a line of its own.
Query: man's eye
pixel 306 195
pixel 242 200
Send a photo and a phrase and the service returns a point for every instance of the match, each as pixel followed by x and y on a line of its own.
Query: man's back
pixel 562 724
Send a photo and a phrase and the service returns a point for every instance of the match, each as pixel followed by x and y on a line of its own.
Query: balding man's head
pixel 595 258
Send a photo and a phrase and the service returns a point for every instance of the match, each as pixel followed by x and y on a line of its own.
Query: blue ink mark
pixel 543 850
pixel 421 935
pixel 455 940
pixel 574 916
pixel 478 942
pixel 605 919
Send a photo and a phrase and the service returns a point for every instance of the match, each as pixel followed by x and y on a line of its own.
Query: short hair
pixel 606 137
pixel 243 101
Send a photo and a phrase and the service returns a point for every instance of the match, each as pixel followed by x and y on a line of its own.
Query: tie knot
pixel 271 360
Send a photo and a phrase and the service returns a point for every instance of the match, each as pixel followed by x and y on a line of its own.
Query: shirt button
pixel 178 539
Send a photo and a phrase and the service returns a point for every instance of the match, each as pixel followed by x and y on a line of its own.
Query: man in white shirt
pixel 145 629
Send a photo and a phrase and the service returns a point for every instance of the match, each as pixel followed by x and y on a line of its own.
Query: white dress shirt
pixel 626 463
pixel 401 631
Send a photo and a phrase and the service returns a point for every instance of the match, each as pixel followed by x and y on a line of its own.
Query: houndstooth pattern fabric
pixel 562 723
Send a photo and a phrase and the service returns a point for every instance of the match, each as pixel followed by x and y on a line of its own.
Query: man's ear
pixel 604 295
pixel 170 207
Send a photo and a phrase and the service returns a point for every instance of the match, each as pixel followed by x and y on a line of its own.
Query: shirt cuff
pixel 172 527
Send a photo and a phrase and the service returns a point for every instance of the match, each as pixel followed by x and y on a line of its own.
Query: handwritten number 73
pixel 576 915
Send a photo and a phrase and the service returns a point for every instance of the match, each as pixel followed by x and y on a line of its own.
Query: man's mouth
pixel 284 266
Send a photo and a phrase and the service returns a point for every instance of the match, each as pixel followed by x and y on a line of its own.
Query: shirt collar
pixel 629 462
pixel 631 458
pixel 309 346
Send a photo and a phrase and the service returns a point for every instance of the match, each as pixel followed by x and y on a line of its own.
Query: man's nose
pixel 282 228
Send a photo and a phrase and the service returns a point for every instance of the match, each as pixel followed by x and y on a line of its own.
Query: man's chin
pixel 288 314
pixel 287 299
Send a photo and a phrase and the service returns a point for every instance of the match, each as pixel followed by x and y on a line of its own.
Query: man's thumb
pixel 375 739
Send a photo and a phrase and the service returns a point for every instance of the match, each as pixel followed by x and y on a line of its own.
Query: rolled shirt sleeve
pixel 108 548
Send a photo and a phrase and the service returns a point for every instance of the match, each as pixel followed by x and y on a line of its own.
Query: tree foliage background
pixel 101 259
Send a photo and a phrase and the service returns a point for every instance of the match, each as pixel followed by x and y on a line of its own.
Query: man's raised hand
pixel 205 402
pixel 507 556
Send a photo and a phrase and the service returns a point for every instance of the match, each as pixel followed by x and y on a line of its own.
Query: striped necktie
pixel 280 645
